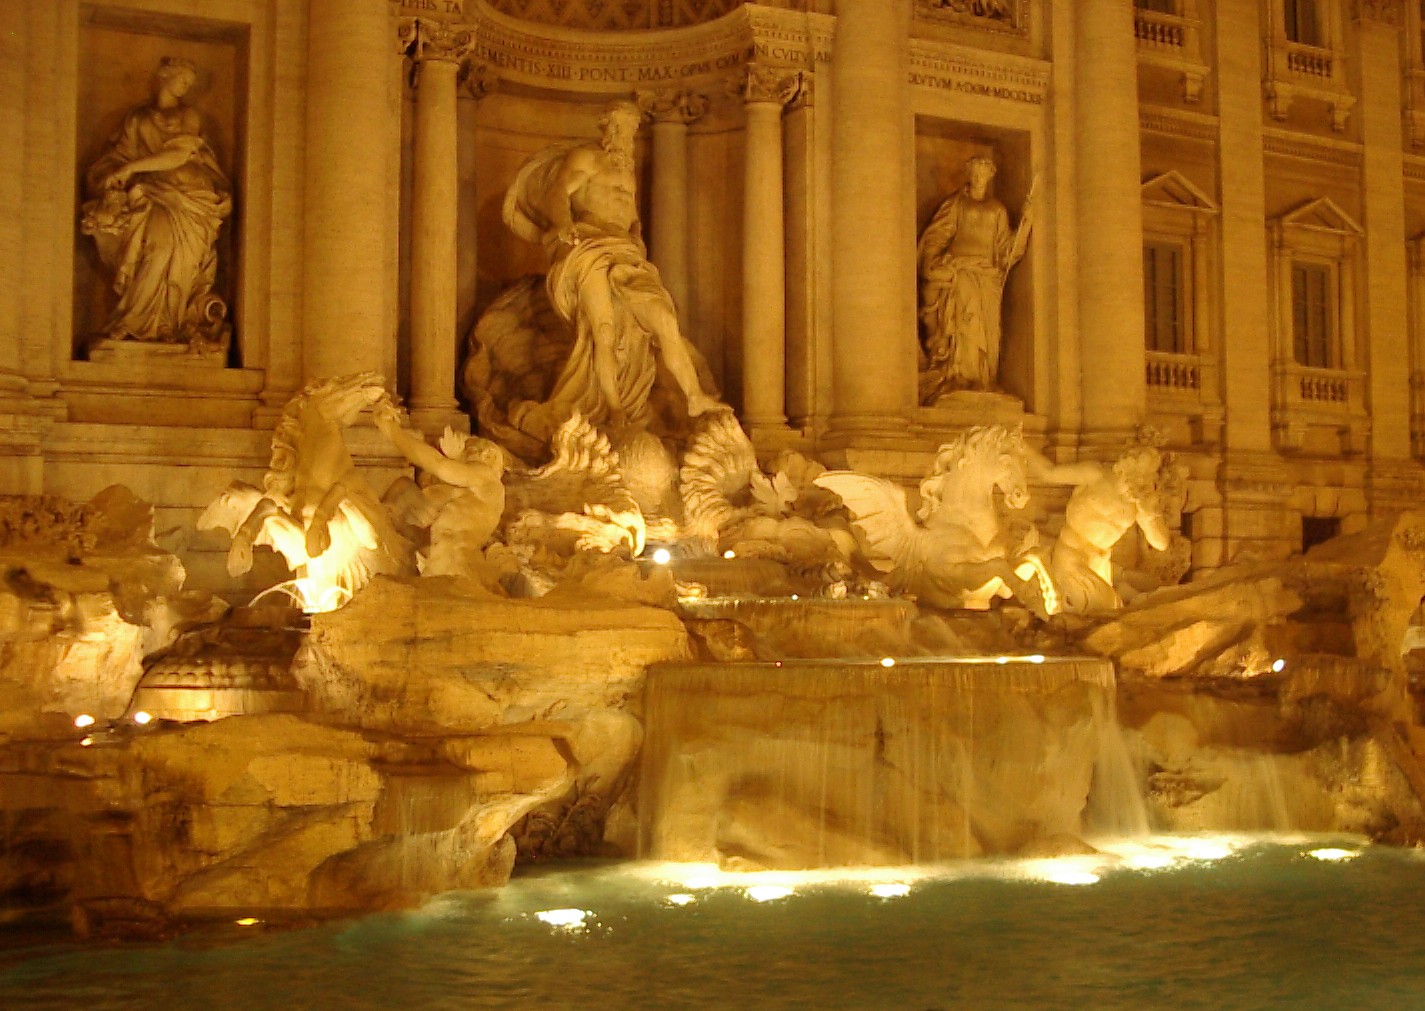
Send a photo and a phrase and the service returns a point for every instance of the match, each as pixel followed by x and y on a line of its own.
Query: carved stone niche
pixel 122 54
pixel 943 149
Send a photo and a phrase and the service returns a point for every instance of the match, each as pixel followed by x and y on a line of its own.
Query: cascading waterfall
pixel 804 763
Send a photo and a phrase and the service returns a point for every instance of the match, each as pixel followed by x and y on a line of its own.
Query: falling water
pixel 830 763
pixel 1115 807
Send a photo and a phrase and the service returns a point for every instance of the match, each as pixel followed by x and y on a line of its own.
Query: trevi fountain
pixel 584 614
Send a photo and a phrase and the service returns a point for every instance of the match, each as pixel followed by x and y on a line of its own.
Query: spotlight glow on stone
pixel 888 661
pixel 83 720
pixel 248 921
pixel 142 718
pixel 1278 666
pixel 729 554
pixel 662 556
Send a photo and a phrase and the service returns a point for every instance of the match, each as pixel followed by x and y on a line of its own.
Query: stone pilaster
pixel 352 124
pixel 671 112
pixel 1386 330
pixel 1251 520
pixel 1110 220
pixel 764 300
pixel 874 341
pixel 436 51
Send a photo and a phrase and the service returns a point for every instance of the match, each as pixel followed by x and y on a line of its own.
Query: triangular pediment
pixel 1174 190
pixel 1322 215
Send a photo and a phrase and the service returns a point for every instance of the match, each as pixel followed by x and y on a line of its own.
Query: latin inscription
pixel 976 88
pixel 452 8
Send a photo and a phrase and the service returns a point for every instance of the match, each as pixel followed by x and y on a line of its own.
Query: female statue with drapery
pixel 964 256
pixel 158 199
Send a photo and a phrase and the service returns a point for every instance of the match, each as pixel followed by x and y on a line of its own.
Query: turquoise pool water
pixel 1223 923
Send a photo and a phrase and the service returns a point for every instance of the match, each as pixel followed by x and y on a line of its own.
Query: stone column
pixel 874 340
pixel 671 113
pixel 436 50
pixel 1110 220
pixel 764 278
pixel 1250 519
pixel 1383 336
pixel 350 128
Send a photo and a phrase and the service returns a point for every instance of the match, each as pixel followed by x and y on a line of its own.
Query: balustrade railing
pixel 1310 61
pixel 1170 373
pixel 1163 31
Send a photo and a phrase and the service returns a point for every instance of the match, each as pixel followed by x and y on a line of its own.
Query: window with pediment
pixel 1178 228
pixel 1318 390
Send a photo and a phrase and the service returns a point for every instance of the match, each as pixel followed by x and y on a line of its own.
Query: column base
pixel 433 421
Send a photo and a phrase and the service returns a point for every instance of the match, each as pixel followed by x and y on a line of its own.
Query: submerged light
pixel 768 893
pixel 888 661
pixel 1278 665
pixel 729 554
pixel 662 556
pixel 83 720
pixel 248 921
pixel 680 899
pixel 1064 872
pixel 143 718
pixel 890 890
pixel 564 919
pixel 1334 853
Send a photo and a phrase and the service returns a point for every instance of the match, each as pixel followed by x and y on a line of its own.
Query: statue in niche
pixel 599 337
pixel 962 553
pixel 964 257
pixel 1107 501
pixel 461 496
pixel 157 201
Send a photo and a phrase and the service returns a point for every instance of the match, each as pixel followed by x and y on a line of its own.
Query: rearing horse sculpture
pixel 960 554
pixel 315 508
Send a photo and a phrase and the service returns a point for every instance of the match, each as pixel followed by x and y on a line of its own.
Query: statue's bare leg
pixel 662 322
pixel 597 305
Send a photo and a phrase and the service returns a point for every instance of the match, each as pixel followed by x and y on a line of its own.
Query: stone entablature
pixel 946 66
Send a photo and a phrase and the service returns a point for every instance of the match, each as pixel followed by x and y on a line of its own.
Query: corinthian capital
pixel 771 84
pixel 423 39
pixel 673 106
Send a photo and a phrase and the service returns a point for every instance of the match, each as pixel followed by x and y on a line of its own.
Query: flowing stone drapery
pixel 765 91
pixel 437 50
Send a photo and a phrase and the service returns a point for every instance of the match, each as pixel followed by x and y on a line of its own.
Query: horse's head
pixel 985 457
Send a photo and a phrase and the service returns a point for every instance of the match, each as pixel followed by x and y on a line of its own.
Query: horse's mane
pixel 978 443
pixel 280 481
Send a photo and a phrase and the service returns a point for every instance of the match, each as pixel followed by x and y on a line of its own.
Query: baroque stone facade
pixel 1226 246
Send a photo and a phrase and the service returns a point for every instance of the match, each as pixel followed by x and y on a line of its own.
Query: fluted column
pixel 436 50
pixel 671 113
pixel 350 127
pixel 764 274
pixel 1110 219
pixel 874 341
